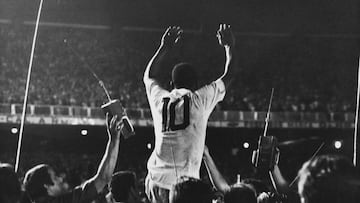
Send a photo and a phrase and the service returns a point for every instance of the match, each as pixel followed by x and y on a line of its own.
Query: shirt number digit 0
pixel 169 124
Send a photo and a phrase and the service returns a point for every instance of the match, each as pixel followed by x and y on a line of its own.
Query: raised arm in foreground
pixel 108 162
pixel 214 174
pixel 278 180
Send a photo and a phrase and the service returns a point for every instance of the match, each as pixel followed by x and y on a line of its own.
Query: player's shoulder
pixel 217 85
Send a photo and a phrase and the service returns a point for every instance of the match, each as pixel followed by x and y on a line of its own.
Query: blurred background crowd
pixel 308 74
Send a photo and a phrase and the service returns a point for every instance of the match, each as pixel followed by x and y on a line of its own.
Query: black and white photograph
pixel 179 101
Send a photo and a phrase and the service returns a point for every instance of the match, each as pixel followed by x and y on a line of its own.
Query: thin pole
pixel 101 83
pixel 267 119
pixel 312 157
pixel 27 89
pixel 356 118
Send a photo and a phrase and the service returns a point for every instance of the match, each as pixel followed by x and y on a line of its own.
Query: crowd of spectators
pixel 76 168
pixel 317 177
pixel 307 74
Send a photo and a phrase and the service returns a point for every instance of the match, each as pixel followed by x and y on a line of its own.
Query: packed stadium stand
pixel 307 74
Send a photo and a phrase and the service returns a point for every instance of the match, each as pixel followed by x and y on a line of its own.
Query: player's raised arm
pixel 168 40
pixel 108 162
pixel 226 39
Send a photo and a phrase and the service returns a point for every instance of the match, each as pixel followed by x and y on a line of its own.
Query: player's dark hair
pixel 192 190
pixel 35 179
pixel 184 76
pixel 9 184
pixel 240 193
pixel 121 184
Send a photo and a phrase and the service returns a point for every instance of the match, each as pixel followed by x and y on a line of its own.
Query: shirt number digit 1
pixel 169 124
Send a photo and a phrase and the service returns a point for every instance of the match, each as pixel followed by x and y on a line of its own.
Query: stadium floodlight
pixel 14 130
pixel 84 132
pixel 337 144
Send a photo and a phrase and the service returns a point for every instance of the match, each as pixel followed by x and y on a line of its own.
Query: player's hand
pixel 171 36
pixel 225 35
pixel 114 126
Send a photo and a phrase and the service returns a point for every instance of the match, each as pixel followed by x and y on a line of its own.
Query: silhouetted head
pixel 10 191
pixel 42 181
pixel 184 76
pixel 328 178
pixel 240 193
pixel 123 186
pixel 191 190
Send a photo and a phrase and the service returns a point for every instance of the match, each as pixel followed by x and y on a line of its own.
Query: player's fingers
pixel 178 35
pixel 175 29
pixel 228 28
pixel 171 31
pixel 220 34
pixel 167 31
pixel 177 39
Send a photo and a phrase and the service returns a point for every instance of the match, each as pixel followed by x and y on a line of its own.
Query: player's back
pixel 181 130
pixel 180 119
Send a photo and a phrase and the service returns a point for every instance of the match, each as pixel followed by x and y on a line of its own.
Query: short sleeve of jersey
pixel 211 94
pixel 81 194
pixel 154 92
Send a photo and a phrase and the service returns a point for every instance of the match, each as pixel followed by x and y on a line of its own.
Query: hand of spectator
pixel 225 35
pixel 171 36
pixel 114 126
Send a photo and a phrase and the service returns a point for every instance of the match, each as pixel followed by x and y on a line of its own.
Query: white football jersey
pixel 180 119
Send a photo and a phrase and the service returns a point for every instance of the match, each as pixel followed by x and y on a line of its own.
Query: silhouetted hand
pixel 225 35
pixel 114 126
pixel 171 36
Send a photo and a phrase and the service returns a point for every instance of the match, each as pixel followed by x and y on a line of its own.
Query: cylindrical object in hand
pixel 114 107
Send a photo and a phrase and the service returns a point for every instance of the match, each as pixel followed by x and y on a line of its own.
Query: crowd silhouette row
pixel 318 177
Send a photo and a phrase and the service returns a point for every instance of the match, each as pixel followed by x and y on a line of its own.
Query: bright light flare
pixel 14 130
pixel 84 132
pixel 337 144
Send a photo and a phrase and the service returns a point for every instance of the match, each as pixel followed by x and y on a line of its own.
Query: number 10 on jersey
pixel 168 124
